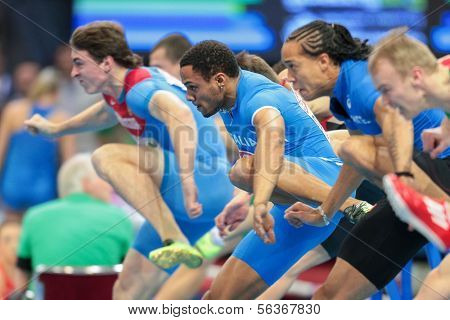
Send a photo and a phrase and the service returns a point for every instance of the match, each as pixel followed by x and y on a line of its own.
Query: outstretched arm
pixel 97 117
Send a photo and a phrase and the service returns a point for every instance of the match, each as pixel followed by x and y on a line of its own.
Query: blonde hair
pixel 73 172
pixel 46 82
pixel 403 53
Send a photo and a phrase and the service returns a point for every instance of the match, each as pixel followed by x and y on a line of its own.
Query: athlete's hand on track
pixel 300 213
pixel 232 215
pixel 39 125
pixel 263 222
pixel 193 208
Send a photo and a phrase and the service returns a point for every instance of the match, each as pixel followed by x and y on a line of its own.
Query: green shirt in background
pixel 77 230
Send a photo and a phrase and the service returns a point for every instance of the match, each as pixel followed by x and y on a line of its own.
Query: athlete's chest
pixel 134 124
pixel 241 131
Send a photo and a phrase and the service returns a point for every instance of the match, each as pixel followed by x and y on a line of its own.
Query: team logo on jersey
pixel 243 141
pixel 349 102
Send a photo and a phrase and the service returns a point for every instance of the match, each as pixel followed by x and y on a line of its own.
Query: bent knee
pixel 102 156
pixel 348 150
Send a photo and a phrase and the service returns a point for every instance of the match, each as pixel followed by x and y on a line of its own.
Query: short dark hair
pixel 175 44
pixel 102 39
pixel 210 57
pixel 319 37
pixel 256 64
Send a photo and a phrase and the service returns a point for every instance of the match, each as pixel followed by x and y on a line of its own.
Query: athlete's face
pixel 307 74
pixel 397 91
pixel 91 75
pixel 206 95
pixel 159 59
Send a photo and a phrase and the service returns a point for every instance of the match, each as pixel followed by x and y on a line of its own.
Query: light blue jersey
pixel 303 137
pixel 306 145
pixel 353 102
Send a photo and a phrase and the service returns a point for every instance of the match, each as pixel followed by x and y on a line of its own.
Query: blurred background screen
pixel 260 26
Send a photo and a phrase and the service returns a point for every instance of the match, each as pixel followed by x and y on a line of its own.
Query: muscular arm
pixel 180 123
pixel 268 153
pixel 348 180
pixel 398 133
pixel 182 128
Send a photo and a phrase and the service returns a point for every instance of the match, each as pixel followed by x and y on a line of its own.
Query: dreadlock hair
pixel 102 39
pixel 209 58
pixel 319 37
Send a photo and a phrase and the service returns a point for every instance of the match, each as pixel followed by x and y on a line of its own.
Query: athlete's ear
pixel 324 61
pixel 417 75
pixel 220 79
pixel 107 64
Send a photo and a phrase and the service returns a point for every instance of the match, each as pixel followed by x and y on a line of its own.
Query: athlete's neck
pixel 332 75
pixel 229 98
pixel 116 81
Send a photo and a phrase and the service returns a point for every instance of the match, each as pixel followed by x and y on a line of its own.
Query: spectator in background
pixel 24 76
pixel 79 229
pixel 9 239
pixel 167 53
pixel 28 164
pixel 5 83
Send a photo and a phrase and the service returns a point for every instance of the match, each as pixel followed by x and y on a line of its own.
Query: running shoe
pixel 430 217
pixel 209 248
pixel 355 212
pixel 174 253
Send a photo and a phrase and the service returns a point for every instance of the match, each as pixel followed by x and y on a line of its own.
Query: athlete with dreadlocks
pixel 286 156
pixel 324 59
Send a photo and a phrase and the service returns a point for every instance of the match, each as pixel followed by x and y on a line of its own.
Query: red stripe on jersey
pixel 446 61
pixel 134 124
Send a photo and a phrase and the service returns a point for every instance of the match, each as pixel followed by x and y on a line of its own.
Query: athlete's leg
pixel 287 190
pixel 184 284
pixel 345 282
pixel 370 156
pixel 377 249
pixel 139 279
pixel 236 280
pixel 254 265
pixel 311 259
pixel 136 173
pixel 327 250
pixel 437 283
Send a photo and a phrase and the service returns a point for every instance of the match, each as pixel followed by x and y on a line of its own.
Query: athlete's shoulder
pixel 135 76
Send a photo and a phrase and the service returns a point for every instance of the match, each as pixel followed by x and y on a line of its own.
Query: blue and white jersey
pixel 303 137
pixel 353 101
